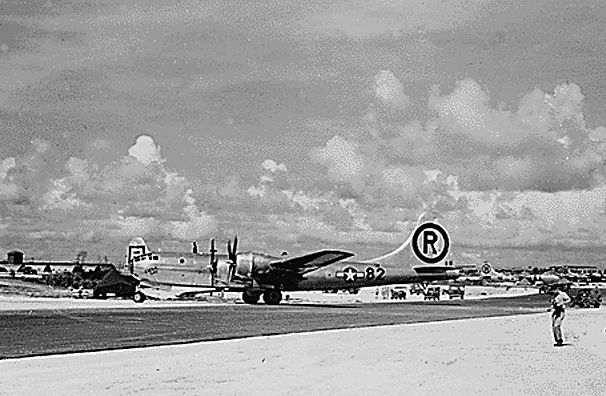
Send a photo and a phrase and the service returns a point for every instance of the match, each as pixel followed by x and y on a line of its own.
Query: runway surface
pixel 44 332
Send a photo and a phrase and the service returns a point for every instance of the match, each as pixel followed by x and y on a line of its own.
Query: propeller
pixel 213 257
pixel 232 254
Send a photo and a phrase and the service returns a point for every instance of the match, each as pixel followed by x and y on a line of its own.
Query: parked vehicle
pixel 456 291
pixel 119 285
pixel 80 292
pixel 586 298
pixel 432 293
pixel 398 293
pixel 28 270
pixel 416 288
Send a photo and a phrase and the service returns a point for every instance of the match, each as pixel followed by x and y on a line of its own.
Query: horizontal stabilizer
pixel 311 261
pixel 434 269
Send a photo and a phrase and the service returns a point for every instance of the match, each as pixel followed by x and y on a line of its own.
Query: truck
pixel 119 285
pixel 416 288
pixel 586 298
pixel 432 293
pixel 398 293
pixel 456 291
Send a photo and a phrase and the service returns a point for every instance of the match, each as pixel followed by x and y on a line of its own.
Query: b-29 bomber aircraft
pixel 259 274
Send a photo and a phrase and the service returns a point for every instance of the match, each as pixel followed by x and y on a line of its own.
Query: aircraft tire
pixel 272 297
pixel 250 297
pixel 139 297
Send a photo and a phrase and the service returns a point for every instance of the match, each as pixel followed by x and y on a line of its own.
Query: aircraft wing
pixel 311 262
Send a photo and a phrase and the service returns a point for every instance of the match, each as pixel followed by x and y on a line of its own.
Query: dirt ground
pixel 508 355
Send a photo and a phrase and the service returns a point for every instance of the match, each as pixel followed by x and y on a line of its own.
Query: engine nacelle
pixel 244 265
pixel 251 264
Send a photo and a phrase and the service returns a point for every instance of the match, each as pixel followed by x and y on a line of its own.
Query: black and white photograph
pixel 242 197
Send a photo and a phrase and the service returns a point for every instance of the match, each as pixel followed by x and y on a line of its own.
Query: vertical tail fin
pixel 136 248
pixel 486 268
pixel 429 253
pixel 488 271
pixel 401 247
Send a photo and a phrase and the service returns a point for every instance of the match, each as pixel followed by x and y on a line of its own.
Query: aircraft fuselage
pixel 193 270
pixel 347 275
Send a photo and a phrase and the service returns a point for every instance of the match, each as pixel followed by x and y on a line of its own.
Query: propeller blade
pixel 212 250
pixel 213 257
pixel 232 251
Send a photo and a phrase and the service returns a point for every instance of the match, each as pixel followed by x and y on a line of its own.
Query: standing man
pixel 560 299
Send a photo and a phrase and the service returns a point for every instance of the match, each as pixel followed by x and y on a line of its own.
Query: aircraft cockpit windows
pixel 156 258
pixel 182 260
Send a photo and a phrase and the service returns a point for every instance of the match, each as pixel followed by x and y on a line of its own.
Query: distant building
pixel 14 257
pixel 574 268
pixel 14 260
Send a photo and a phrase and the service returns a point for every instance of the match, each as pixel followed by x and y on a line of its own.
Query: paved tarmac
pixel 57 331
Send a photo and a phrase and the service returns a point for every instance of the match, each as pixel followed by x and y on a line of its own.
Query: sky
pixel 301 126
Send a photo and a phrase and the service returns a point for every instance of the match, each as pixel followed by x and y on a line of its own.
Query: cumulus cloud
pixel 20 176
pixel 390 90
pixel 196 223
pixel 362 171
pixel 266 189
pixel 146 151
pixel 135 195
pixel 231 189
pixel 273 167
pixel 480 167
pixel 343 159
pixel 8 189
pixel 138 176
pixel 545 145
pixel 6 165
pixel 314 209
pixel 129 226
pixel 304 200
pixel 494 218
pixel 62 196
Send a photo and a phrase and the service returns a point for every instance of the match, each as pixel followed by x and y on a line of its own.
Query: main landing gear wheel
pixel 272 297
pixel 250 297
pixel 139 297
